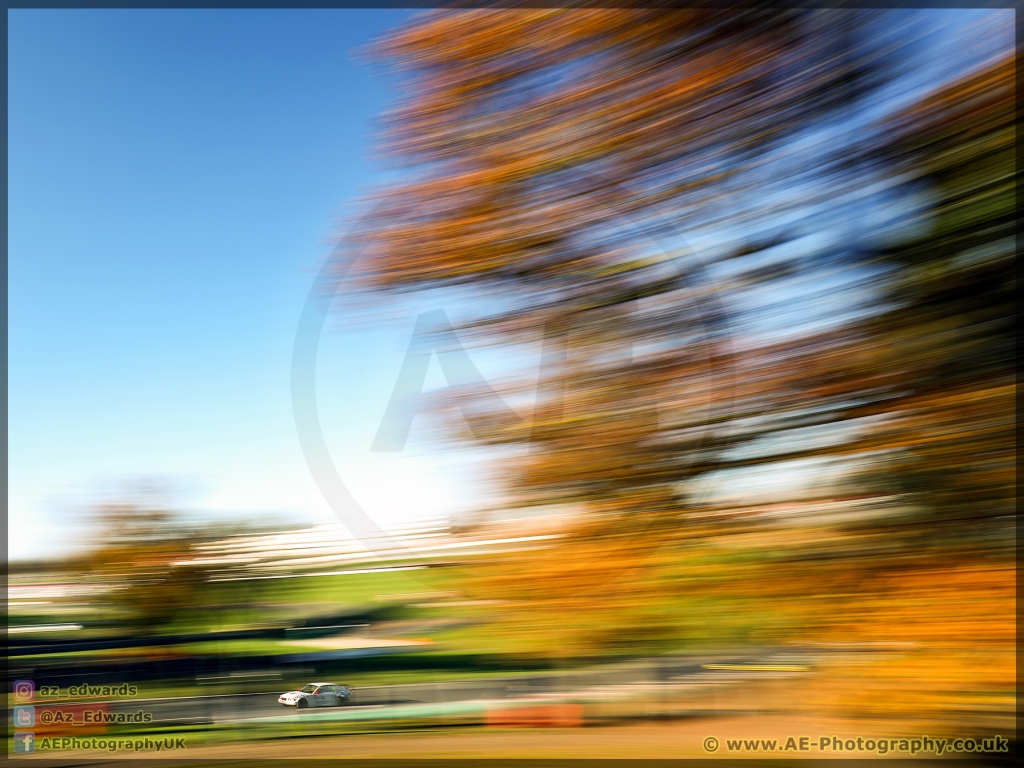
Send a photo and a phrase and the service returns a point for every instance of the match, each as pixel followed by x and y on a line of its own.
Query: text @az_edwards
pixel 93 716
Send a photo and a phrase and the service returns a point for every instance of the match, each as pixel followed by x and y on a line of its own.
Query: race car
pixel 317 695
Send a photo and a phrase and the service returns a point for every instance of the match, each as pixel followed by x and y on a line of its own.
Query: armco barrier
pixel 567 700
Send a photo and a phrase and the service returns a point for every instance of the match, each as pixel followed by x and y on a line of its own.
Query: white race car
pixel 317 695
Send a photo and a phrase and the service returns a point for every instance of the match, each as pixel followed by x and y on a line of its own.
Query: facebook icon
pixel 24 742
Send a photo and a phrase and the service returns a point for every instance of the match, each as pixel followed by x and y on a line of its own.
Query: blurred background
pixel 669 353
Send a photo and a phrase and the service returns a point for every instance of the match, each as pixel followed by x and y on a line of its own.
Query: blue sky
pixel 174 181
pixel 174 177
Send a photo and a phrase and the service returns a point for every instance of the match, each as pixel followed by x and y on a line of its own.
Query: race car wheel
pixel 302 704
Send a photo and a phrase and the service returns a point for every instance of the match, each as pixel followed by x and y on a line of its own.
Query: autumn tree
pixel 147 555
pixel 948 338
pixel 555 160
pixel 546 149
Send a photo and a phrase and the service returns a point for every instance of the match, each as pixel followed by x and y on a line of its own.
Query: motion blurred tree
pixel 545 143
pixel 948 339
pixel 554 156
pixel 146 551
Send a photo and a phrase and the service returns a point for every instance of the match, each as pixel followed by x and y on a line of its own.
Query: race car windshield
pixel 307 689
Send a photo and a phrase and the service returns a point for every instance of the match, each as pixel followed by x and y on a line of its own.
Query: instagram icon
pixel 24 690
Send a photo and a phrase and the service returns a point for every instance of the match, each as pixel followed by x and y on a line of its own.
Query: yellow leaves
pixel 542 137
pixel 946 636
